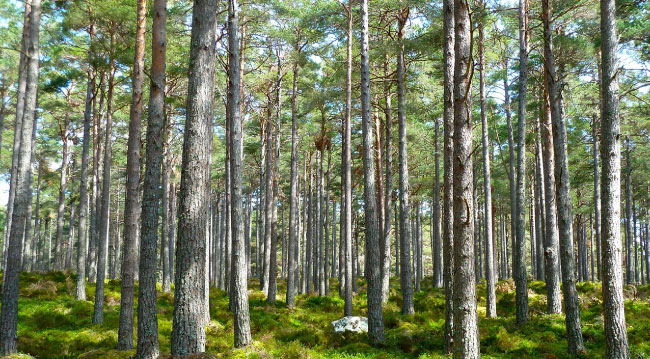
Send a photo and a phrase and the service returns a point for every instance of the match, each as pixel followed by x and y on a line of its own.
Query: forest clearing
pixel 324 179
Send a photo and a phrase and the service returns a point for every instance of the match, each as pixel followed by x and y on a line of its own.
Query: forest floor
pixel 52 324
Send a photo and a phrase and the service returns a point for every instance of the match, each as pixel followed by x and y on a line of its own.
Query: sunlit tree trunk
pixel 616 345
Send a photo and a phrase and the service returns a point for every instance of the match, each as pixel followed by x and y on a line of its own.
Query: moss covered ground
pixel 52 324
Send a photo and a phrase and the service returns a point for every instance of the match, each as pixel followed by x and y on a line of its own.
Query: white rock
pixel 351 324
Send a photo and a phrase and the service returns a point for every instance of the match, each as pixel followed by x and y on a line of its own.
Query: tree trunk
pixel 63 181
pixel 616 345
pixel 491 307
pixel 540 211
pixel 103 217
pixel 572 309
pixel 239 290
pixel 629 269
pixel 519 230
pixel 20 108
pixel 188 328
pixel 346 163
pixel 551 237
pixel 22 202
pixel 597 203
pixel 147 296
pixel 448 175
pixel 466 341
pixel 373 276
pixel 404 211
pixel 436 243
pixel 80 290
pixel 388 188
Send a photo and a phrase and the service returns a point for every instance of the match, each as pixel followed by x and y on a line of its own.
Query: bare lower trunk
pixel 448 179
pixel 147 296
pixel 572 309
pixel 239 291
pixel 616 345
pixel 22 202
pixel 466 341
pixel 188 330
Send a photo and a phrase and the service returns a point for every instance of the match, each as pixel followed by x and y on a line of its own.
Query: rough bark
pixel 519 232
pixel 466 341
pixel 491 307
pixel 572 309
pixel 147 295
pixel 448 179
pixel 346 163
pixel 294 204
pixel 239 290
pixel 551 237
pixel 22 201
pixel 188 330
pixel 404 206
pixel 375 315
pixel 616 345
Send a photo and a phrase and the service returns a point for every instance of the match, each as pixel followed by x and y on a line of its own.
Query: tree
pixel 466 341
pixel 346 171
pixel 11 277
pixel 551 238
pixel 616 345
pixel 449 27
pixel 404 206
pixel 375 314
pixel 239 291
pixel 188 330
pixel 132 199
pixel 519 232
pixel 491 307
pixel 571 304
pixel 147 296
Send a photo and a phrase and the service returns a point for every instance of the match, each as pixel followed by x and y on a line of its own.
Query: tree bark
pixel 491 307
pixel 375 315
pixel 404 214
pixel 9 306
pixel 616 345
pixel 188 330
pixel 551 237
pixel 346 163
pixel 448 175
pixel 466 341
pixel 239 290
pixel 519 232
pixel 572 309
pixel 147 296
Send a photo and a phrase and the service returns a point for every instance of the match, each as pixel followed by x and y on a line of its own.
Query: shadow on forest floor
pixel 52 324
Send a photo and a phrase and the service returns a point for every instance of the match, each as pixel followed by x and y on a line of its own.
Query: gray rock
pixel 351 324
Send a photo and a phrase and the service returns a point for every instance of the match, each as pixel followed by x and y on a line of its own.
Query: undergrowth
pixel 52 324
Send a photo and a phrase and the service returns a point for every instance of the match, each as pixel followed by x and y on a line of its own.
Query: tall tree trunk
pixel 597 203
pixel 616 345
pixel 239 290
pixel 63 181
pixel 22 202
pixel 80 290
pixel 132 200
pixel 551 237
pixel 103 215
pixel 404 210
pixel 629 269
pixel 147 297
pixel 436 243
pixel 491 307
pixel 572 309
pixel 188 330
pixel 540 211
pixel 466 341
pixel 375 315
pixel 346 163
pixel 167 216
pixel 448 175
pixel 519 232
pixel 20 110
